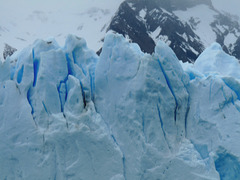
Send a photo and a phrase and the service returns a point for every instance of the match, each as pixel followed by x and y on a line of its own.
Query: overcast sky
pixel 231 6
pixel 24 21
pixel 20 6
pixel 51 5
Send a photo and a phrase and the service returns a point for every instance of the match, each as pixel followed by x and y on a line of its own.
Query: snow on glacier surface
pixel 67 113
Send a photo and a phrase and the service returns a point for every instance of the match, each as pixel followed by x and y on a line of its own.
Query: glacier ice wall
pixel 66 113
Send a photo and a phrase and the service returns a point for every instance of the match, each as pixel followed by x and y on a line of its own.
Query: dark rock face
pixel 147 21
pixel 230 26
pixel 236 51
pixel 179 36
pixel 126 22
pixel 8 51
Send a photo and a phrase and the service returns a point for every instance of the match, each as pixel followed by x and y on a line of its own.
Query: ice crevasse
pixel 66 113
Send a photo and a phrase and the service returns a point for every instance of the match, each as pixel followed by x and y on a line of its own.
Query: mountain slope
pixel 183 26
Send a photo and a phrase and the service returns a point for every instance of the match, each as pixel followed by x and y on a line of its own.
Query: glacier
pixel 67 113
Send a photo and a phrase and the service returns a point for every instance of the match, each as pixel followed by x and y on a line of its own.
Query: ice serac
pixel 213 125
pixel 66 113
pixel 81 64
pixel 47 132
pixel 215 61
pixel 143 100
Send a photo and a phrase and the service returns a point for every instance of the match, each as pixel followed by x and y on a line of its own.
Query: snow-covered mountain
pixel 24 21
pixel 187 26
pixel 66 113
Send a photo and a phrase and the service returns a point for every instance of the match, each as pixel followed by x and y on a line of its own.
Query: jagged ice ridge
pixel 66 113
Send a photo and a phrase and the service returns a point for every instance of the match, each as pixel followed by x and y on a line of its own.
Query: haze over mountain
pixel 30 20
pixel 24 21
pixel 230 6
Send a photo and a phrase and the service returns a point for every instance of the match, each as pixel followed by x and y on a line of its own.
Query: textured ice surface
pixel 47 130
pixel 215 61
pixel 66 113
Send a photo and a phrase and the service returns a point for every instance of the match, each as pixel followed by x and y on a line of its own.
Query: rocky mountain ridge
pixel 174 22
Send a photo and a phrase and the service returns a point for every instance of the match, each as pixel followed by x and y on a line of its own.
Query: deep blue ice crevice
pixel 227 165
pixel 123 156
pixel 36 63
pixel 79 65
pixel 45 107
pixel 192 75
pixel 114 140
pixel 70 65
pixel 170 88
pixel 12 72
pixel 186 117
pixel 161 122
pixel 227 101
pixel 20 75
pixel 143 125
pixel 92 85
pixel 187 111
pixel 29 95
pixel 162 126
pixel 86 74
pixel 202 149
pixel 233 84
pixel 48 123
pixel 62 87
pixel 83 94
pixel 62 92
pixel 124 167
